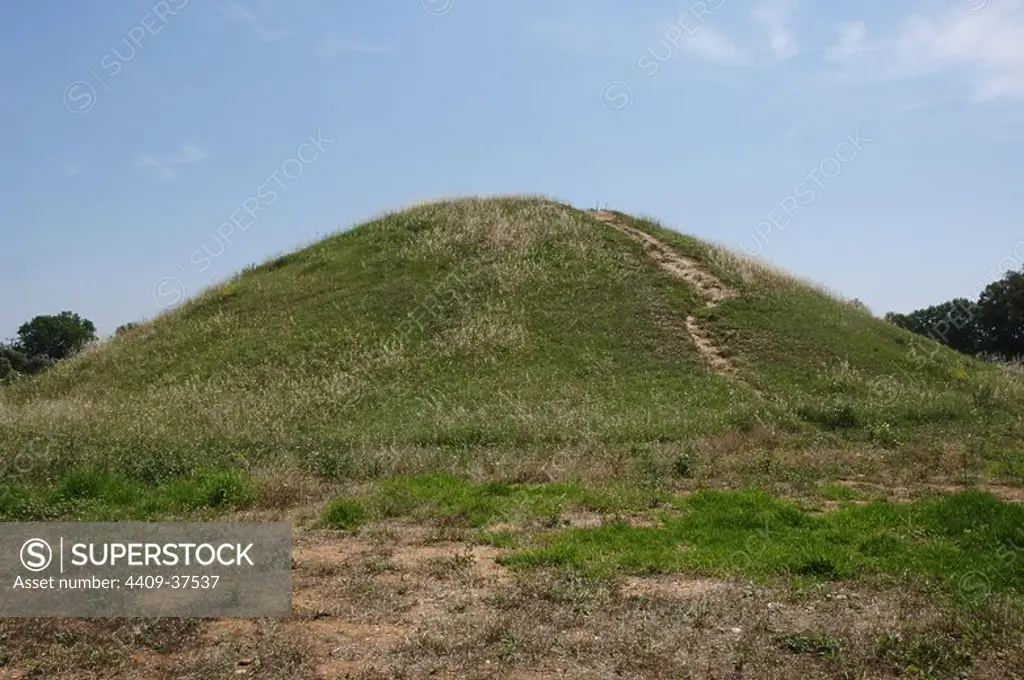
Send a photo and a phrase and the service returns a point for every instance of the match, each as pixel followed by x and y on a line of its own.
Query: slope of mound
pixel 512 337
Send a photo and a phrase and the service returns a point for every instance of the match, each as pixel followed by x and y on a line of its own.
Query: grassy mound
pixel 513 339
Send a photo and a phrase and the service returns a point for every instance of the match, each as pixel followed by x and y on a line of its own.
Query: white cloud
pixel 987 49
pixel 190 153
pixel 852 42
pixel 253 15
pixel 775 17
pixel 713 46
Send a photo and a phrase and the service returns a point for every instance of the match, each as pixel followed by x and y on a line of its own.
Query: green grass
pixel 511 339
pixel 452 501
pixel 938 541
pixel 842 494
pixel 1008 468
pixel 342 514
pixel 953 542
pixel 96 496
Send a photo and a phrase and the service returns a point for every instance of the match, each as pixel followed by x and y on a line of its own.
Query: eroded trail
pixel 709 287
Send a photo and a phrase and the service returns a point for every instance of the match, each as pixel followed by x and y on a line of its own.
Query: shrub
pixel 15 357
pixel 225 490
pixel 126 328
pixel 38 364
pixel 683 465
pixel 343 514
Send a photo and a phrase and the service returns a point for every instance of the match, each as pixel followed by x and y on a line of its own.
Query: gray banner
pixel 145 569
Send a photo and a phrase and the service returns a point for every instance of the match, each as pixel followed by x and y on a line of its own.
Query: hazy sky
pixel 878 147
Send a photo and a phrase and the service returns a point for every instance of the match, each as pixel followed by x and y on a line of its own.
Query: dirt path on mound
pixel 710 288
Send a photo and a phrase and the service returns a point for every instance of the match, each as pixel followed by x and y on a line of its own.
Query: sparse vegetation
pixel 811 642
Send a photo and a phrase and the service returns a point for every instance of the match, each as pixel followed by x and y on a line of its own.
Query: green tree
pixel 953 323
pixel 126 328
pixel 15 357
pixel 1000 312
pixel 55 337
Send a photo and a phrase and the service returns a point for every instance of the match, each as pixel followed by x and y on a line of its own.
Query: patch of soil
pixel 672 587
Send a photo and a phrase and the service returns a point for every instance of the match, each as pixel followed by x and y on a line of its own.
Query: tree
pixel 55 337
pixel 126 328
pixel 953 323
pixel 1001 316
pixel 14 357
pixel 994 325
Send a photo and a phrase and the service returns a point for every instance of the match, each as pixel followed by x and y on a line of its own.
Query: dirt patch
pixel 709 350
pixel 230 629
pixel 1007 494
pixel 902 494
pixel 479 560
pixel 672 587
pixel 328 554
pixel 582 520
pixel 644 522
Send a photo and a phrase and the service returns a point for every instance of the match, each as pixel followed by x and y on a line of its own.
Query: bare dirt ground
pixel 399 601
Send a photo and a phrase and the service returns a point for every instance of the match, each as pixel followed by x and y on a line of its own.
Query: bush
pixel 225 490
pixel 15 357
pixel 683 466
pixel 6 369
pixel 126 328
pixel 38 364
pixel 343 514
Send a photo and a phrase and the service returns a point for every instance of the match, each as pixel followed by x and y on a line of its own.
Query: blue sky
pixel 155 148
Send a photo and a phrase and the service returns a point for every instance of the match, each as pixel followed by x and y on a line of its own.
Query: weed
pixel 342 514
pixel 810 642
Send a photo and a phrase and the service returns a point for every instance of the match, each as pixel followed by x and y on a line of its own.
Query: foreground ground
pixel 436 577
